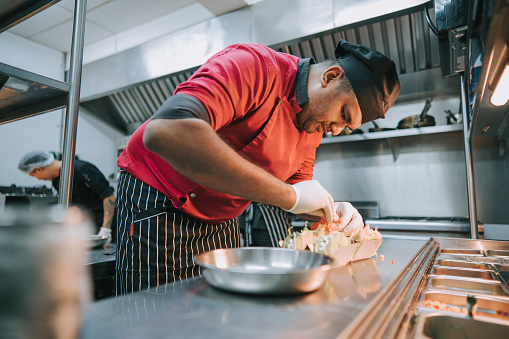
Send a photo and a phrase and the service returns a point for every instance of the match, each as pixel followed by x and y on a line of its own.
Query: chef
pixel 244 127
pixel 90 189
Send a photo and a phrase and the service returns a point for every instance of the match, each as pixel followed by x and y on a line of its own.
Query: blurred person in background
pixel 90 189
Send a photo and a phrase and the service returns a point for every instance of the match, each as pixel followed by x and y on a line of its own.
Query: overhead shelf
pixel 12 12
pixel 24 94
pixel 398 133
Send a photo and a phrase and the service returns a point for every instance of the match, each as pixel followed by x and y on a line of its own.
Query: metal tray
pixel 95 241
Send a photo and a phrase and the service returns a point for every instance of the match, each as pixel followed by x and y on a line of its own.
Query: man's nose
pixel 336 128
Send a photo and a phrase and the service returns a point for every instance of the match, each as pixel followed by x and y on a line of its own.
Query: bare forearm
pixel 194 149
pixel 109 211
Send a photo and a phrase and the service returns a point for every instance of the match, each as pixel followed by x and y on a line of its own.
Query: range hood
pixel 126 89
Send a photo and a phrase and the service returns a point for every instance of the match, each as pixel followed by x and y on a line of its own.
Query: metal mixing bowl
pixel 264 270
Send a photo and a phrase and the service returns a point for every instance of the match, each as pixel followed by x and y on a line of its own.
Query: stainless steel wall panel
pixel 318 50
pixel 158 92
pixel 129 113
pixel 371 35
pixel 348 12
pixel 277 21
pixel 420 41
pixel 328 46
pixel 378 39
pixel 141 109
pixel 166 92
pixel 119 105
pixel 427 179
pixel 169 84
pixel 427 83
pixel 403 65
pixel 306 49
pixel 148 98
pixel 351 36
pixel 394 43
pixel 363 36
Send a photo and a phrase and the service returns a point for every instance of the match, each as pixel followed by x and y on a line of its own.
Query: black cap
pixel 373 78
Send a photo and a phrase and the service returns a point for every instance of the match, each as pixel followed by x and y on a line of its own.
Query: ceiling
pixel 116 25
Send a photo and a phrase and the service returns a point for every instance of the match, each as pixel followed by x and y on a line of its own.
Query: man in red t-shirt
pixel 244 127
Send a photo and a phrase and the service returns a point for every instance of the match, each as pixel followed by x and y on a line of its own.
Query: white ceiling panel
pixel 50 17
pixel 119 15
pixel 166 24
pixel 59 37
pixel 69 4
pixel 219 7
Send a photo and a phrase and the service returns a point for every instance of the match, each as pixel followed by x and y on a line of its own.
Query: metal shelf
pixel 393 134
pixel 24 94
pixel 12 12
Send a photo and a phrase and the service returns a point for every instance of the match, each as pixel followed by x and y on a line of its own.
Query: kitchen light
pixel 501 93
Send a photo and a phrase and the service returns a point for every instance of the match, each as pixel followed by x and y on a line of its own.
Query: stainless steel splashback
pixel 126 89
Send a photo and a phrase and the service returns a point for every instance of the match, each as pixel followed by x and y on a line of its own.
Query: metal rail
pixel 386 314
pixel 469 162
pixel 71 117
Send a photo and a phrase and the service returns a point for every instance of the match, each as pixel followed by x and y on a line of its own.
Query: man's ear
pixel 334 72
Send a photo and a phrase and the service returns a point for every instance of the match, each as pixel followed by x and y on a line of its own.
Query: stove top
pixel 445 219
pixel 426 224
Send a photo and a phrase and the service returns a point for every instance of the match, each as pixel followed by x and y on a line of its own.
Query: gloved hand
pixel 105 232
pixel 351 219
pixel 312 199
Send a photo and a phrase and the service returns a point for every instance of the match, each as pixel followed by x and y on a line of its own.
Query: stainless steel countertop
pixel 194 309
pixel 100 255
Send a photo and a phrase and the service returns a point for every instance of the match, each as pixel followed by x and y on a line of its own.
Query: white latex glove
pixel 312 199
pixel 105 232
pixel 351 219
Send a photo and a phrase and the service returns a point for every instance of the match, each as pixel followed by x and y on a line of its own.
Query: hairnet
pixel 35 159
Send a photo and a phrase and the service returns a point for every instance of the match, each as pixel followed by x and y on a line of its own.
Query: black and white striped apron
pixel 156 242
pixel 265 225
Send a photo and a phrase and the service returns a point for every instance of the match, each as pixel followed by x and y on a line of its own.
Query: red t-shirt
pixel 249 93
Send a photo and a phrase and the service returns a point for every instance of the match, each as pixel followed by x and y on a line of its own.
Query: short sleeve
pixel 232 83
pixel 93 179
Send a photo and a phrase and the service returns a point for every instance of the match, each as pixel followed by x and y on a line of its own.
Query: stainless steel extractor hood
pixel 126 89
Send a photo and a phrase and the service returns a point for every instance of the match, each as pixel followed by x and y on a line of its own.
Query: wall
pixel 427 179
pixel 95 141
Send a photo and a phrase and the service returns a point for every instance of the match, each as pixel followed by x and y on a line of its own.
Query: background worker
pixel 90 189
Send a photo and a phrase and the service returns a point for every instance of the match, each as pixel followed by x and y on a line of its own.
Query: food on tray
pixel 506 314
pixel 437 305
pixel 326 238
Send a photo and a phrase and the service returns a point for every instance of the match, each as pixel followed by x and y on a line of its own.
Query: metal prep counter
pixel 194 309
pixel 101 263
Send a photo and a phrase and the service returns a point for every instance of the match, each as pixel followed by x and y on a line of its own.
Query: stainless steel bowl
pixel 264 270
